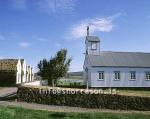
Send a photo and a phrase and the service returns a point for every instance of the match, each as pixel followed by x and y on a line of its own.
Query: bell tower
pixel 92 44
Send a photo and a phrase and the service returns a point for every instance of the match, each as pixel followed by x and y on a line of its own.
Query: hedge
pixel 7 78
pixel 101 101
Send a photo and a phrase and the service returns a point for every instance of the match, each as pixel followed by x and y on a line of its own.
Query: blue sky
pixel 37 29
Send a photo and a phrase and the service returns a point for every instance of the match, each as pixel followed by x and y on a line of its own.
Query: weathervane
pixel 93 24
pixel 88 30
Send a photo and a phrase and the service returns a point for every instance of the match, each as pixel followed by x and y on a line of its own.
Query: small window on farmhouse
pixel 101 75
pixel 147 75
pixel 93 46
pixel 132 75
pixel 117 75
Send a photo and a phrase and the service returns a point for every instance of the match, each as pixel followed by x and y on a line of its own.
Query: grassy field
pixel 21 113
pixel 134 93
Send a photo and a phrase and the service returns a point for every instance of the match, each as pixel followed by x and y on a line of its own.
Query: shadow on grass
pixel 68 115
pixel 60 115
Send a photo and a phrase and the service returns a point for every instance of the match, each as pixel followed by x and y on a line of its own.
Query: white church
pixel 114 69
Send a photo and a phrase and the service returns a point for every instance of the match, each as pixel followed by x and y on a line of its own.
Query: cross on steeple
pixel 87 30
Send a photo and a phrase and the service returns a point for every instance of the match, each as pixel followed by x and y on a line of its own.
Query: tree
pixel 54 68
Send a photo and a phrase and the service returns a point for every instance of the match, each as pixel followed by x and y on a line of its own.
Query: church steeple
pixel 92 44
pixel 87 30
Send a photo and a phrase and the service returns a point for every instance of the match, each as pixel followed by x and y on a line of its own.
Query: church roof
pixel 120 59
pixel 92 38
pixel 8 64
pixel 22 61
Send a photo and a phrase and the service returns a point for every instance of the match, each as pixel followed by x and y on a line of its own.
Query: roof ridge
pixel 9 59
pixel 125 52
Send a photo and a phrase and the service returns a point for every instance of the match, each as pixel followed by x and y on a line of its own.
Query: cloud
pixel 48 6
pixel 2 57
pixel 99 24
pixel 56 6
pixel 24 44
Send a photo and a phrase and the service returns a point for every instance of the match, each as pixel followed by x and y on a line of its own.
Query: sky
pixel 37 29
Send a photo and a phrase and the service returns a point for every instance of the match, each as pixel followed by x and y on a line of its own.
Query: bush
pixel 102 101
pixel 7 78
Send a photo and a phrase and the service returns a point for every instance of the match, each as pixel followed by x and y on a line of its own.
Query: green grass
pixel 21 113
pixel 69 84
pixel 135 93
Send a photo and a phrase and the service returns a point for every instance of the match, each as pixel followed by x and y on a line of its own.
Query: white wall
pixel 125 81
pixel 37 83
pixel 28 75
pixel 18 77
pixel 24 71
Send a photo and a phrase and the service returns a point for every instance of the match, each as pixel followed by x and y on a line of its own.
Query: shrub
pixel 7 78
pixel 102 101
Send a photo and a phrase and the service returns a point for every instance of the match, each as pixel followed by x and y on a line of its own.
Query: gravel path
pixel 53 108
pixel 7 91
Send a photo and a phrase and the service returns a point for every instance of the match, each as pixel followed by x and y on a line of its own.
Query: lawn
pixel 134 93
pixel 21 113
